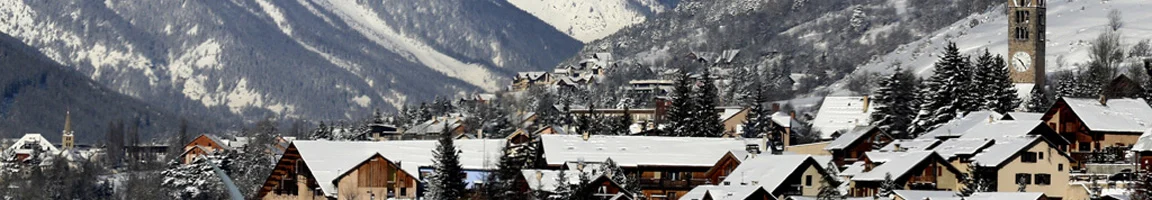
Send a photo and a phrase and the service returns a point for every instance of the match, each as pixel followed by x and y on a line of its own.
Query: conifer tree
pixel 753 123
pixel 975 180
pixel 502 183
pixel 895 103
pixel 829 184
pixel 680 113
pixel 708 118
pixel 623 123
pixel 993 85
pixel 447 180
pixel 887 186
pixel 945 92
pixel 1037 101
pixel 617 174
pixel 563 190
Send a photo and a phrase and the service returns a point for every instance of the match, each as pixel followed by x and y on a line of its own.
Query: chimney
pixel 897 147
pixel 1103 100
pixel 480 133
pixel 586 136
pixel 539 176
pixel 866 102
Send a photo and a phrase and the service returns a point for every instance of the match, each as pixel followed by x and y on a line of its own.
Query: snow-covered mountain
pixel 591 20
pixel 36 94
pixel 321 59
pixel 1072 25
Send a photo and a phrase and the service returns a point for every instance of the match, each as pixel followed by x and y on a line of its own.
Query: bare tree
pixel 1114 20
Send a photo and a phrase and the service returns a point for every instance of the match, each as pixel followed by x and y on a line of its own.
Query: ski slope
pixel 1072 25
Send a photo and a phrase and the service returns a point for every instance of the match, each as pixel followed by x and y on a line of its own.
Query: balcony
pixel 651 183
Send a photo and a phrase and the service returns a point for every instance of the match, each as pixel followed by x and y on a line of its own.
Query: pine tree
pixel 887 186
pixel 975 180
pixel 617 174
pixel 196 180
pixel 752 123
pixel 623 123
pixel 447 180
pixel 993 84
pixel 583 190
pixel 829 184
pixel 945 92
pixel 1037 101
pixel 502 184
pixel 895 103
pixel 680 114
pixel 563 190
pixel 710 125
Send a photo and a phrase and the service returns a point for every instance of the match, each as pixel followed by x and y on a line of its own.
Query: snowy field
pixel 1072 25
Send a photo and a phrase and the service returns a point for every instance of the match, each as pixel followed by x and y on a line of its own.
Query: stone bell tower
pixel 1026 41
pixel 68 136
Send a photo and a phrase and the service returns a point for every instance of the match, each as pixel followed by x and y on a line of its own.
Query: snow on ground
pixel 365 21
pixel 589 20
pixel 1072 25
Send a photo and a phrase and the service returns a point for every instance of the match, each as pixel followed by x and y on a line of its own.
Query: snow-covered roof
pixel 1023 116
pixel 329 159
pixel 434 126
pixel 727 56
pixel 961 146
pixel 730 112
pixel 911 145
pixel 897 165
pixel 842 113
pixel 926 194
pixel 632 151
pixel 1144 143
pixel 33 138
pixel 853 169
pixel 784 119
pixel 849 137
pixel 545 180
pixel 531 75
pixel 958 126
pixel 997 129
pixel 721 192
pixel 1005 195
pixel 1119 115
pixel 768 171
pixel 1002 149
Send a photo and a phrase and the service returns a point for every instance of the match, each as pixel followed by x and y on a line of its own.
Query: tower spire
pixel 69 140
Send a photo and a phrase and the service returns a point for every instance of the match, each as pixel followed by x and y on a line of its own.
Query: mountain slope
pixel 1072 25
pixel 591 20
pixel 318 59
pixel 36 92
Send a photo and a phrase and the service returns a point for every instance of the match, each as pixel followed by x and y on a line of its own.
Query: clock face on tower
pixel 1022 61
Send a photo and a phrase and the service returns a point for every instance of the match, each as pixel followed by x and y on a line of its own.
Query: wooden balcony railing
pixel 665 183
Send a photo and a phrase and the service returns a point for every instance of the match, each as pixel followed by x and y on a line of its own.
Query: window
pixel 1028 157
pixel 1059 167
pixel 671 195
pixel 1023 178
pixel 1084 146
pixel 1040 155
pixel 1043 179
pixel 403 191
pixel 808 181
pixel 673 175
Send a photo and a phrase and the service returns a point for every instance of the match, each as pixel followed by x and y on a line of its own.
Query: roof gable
pixel 855 136
pixel 1116 115
pixel 899 166
pixel 1006 149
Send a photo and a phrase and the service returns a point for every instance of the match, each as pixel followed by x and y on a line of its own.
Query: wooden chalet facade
pixel 850 147
pixel 924 170
pixel 1095 125
pixel 524 80
pixel 203 145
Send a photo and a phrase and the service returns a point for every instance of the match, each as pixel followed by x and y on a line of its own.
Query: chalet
pixel 733 120
pixel 728 163
pixel 916 170
pixel 779 175
pixel 638 114
pixel 547 181
pixel 948 195
pixel 840 114
pixel 1015 128
pixel 524 80
pixel 432 128
pixel 1143 151
pixel 959 152
pixel 28 146
pixel 667 167
pixel 361 170
pixel 1123 87
pixel 1030 160
pixel 729 192
pixel 1091 125
pixel 481 98
pixel 781 127
pixel 654 87
pixel 852 145
pixel 205 145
